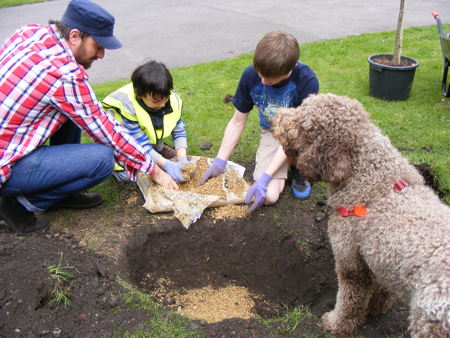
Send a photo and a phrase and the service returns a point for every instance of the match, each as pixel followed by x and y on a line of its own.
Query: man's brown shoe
pixel 81 200
pixel 19 219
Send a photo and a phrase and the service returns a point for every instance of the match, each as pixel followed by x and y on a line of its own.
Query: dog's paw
pixel 336 325
pixel 329 322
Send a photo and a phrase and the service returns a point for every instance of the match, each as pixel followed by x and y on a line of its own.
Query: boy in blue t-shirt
pixel 276 80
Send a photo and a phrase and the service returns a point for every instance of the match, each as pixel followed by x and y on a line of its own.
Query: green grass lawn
pixel 10 3
pixel 420 125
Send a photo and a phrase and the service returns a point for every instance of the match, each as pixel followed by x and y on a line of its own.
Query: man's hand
pixel 174 170
pixel 258 192
pixel 160 177
pixel 216 169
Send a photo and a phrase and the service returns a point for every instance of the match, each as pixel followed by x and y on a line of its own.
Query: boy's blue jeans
pixel 51 173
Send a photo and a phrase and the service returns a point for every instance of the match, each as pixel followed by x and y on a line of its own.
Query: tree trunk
pixel 399 36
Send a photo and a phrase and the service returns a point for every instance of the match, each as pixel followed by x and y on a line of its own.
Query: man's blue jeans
pixel 51 173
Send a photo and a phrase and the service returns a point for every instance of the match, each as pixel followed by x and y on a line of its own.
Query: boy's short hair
pixel 276 54
pixel 152 77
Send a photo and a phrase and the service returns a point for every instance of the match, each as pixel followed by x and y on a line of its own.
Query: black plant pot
pixel 391 83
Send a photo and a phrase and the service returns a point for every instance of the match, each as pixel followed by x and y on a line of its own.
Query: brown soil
pixel 387 61
pixel 224 273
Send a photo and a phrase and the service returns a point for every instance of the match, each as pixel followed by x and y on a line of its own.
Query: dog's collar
pixel 360 210
pixel 400 185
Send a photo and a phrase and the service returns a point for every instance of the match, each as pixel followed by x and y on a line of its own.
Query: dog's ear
pixel 335 147
pixel 328 162
pixel 285 127
pixel 337 167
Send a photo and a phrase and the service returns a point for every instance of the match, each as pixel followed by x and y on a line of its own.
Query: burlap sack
pixel 188 206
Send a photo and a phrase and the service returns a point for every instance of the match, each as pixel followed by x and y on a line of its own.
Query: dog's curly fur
pixel 402 246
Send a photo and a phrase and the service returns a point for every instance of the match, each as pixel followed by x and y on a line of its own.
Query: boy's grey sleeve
pixel 154 155
pixel 179 135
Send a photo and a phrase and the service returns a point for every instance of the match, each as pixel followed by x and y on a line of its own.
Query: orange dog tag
pixel 360 211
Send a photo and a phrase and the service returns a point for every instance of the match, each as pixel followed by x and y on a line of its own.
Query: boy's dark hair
pixel 152 77
pixel 276 54
pixel 64 30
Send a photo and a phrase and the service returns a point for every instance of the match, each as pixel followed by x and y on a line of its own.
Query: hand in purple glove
pixel 174 170
pixel 258 192
pixel 216 169
pixel 184 160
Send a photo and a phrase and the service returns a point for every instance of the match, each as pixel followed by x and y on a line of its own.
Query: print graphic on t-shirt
pixel 269 99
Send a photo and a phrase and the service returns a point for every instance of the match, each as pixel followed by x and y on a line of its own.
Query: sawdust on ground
pixel 214 305
pixel 207 303
pixel 229 211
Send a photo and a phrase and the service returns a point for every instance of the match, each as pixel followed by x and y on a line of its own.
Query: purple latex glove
pixel 258 192
pixel 183 160
pixel 174 170
pixel 216 169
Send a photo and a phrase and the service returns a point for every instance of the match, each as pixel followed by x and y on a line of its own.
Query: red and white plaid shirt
pixel 41 87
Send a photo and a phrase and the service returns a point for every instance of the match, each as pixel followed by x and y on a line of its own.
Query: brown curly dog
pixel 390 233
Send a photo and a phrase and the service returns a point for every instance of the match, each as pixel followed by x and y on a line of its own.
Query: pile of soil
pixel 279 257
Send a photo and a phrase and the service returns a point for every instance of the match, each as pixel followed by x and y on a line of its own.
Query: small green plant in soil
pixel 276 220
pixel 289 321
pixel 305 247
pixel 61 280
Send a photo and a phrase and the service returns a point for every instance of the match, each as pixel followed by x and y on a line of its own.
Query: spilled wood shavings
pixel 230 211
pixel 214 305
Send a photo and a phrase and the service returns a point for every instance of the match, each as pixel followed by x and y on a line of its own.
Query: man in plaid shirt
pixel 45 95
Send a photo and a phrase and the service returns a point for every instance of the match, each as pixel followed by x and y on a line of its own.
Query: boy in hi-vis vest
pixel 150 111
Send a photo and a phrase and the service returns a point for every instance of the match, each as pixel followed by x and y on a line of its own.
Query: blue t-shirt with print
pixel 289 93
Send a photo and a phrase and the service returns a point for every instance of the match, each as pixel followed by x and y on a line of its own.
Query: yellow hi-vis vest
pixel 123 102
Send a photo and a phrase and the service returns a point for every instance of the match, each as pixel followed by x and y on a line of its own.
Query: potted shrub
pixel 391 75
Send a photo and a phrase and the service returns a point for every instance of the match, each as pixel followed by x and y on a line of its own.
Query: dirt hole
pixel 215 271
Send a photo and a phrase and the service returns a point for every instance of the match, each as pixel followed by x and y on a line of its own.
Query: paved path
pixel 186 32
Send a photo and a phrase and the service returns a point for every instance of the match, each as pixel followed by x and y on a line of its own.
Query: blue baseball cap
pixel 90 18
